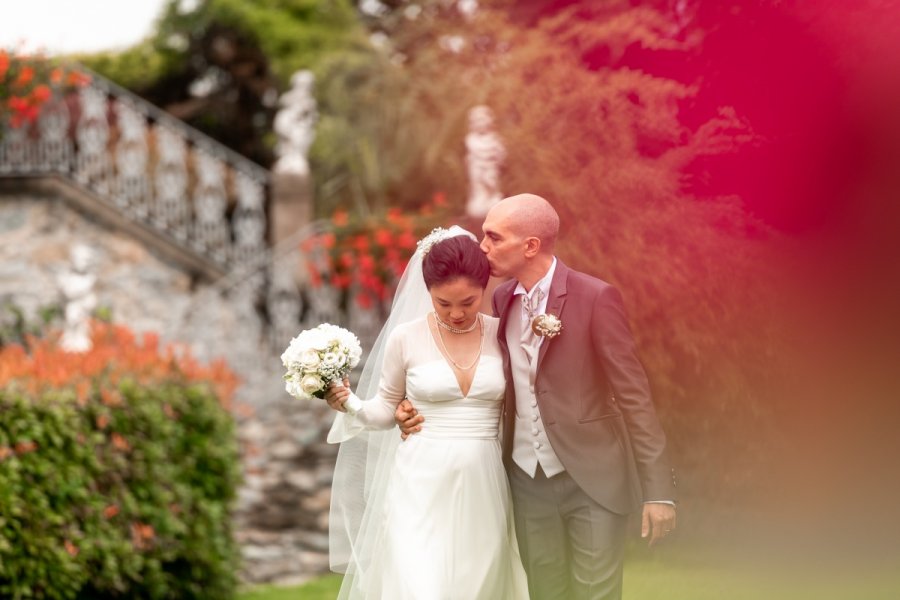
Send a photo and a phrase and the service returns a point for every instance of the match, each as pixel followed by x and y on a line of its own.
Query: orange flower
pixel 340 218
pixel 394 215
pixel 71 548
pixel 74 78
pixel 102 421
pixel 4 453
pixel 25 447
pixel 119 442
pixel 41 93
pixel 56 76
pixel 110 397
pixel 110 511
pixel 82 390
pixel 141 534
pixel 25 76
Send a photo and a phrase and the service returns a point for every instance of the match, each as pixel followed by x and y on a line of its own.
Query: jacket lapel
pixel 504 297
pixel 555 303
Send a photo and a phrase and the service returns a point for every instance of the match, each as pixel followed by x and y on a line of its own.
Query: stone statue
pixel 485 153
pixel 295 125
pixel 77 286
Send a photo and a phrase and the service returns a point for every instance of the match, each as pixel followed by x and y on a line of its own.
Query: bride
pixel 429 517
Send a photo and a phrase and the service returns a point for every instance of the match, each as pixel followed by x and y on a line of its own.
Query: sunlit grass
pixel 663 580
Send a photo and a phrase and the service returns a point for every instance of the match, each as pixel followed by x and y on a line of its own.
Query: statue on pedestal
pixel 77 287
pixel 485 153
pixel 295 125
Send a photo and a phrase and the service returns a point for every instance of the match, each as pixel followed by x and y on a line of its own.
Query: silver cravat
pixel 530 341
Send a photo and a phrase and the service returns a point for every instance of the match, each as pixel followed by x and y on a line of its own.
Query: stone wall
pixel 282 509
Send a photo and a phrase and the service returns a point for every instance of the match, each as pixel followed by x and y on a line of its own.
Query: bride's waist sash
pixel 451 420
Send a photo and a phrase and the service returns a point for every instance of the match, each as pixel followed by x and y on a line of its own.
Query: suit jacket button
pixel 537 445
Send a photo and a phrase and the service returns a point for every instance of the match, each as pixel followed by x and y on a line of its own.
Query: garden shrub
pixel 118 468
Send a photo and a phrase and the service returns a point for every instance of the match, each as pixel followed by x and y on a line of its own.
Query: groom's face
pixel 505 249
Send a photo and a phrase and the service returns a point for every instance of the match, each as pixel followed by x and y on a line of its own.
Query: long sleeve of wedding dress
pixel 378 412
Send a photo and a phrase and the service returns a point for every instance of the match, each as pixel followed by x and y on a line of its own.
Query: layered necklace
pixel 452 329
pixel 442 325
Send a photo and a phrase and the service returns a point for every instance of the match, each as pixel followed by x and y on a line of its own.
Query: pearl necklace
pixel 478 319
pixel 452 329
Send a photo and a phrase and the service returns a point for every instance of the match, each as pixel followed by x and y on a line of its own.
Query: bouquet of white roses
pixel 317 357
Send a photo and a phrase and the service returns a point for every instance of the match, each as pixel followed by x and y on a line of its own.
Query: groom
pixel 581 440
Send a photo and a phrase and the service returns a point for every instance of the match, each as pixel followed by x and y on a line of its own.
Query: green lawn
pixel 664 580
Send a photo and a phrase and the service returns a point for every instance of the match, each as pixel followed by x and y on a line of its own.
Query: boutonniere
pixel 546 326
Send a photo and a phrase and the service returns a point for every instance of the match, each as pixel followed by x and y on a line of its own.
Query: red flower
pixel 383 237
pixel 315 278
pixel 4 63
pixel 360 242
pixel 366 263
pixel 110 511
pixel 341 282
pixel 364 300
pixel 406 240
pixel 439 199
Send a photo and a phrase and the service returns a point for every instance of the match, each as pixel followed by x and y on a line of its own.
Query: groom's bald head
pixel 529 215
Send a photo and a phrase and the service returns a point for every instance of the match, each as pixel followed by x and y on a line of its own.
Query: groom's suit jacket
pixel 593 394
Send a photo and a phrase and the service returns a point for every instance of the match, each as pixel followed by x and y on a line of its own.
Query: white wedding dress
pixel 444 529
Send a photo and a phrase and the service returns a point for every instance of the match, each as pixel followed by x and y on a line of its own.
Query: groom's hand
pixel 658 521
pixel 408 418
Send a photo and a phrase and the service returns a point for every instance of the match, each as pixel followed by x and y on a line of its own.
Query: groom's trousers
pixel 571 547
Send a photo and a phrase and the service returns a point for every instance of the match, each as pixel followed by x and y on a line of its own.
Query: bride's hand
pixel 408 418
pixel 336 394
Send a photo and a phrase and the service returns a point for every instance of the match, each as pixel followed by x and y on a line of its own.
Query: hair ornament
pixel 438 234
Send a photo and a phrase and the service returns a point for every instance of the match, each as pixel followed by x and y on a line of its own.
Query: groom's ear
pixel 532 247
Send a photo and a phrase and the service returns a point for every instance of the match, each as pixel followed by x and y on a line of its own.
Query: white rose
pixel 311 384
pixel 318 340
pixel 331 359
pixel 309 359
pixel 292 387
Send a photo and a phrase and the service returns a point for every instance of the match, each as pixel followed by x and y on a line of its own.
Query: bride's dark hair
pixel 458 256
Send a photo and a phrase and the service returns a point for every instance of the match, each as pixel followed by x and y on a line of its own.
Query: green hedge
pixel 124 494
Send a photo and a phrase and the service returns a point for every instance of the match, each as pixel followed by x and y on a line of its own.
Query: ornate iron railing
pixel 151 167
pixel 206 199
